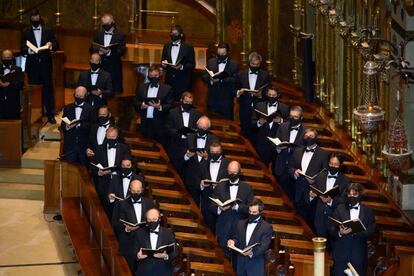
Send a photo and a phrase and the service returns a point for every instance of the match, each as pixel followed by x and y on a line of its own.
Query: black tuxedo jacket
pixel 93 136
pixel 112 63
pixel 10 95
pixel 175 121
pixel 164 95
pixel 77 136
pixel 154 266
pixel 180 80
pixel 125 211
pixel 103 82
pixel 116 187
pixel 222 172
pixel 353 247
pixel 324 210
pixel 224 90
pixel 284 156
pixel 246 99
pixel 43 60
pixel 264 147
pixel 318 162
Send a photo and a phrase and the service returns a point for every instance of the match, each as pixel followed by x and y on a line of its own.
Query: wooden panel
pixel 406 256
pixel 11 143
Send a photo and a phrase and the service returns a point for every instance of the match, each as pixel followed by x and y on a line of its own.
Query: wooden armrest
pixel 397 235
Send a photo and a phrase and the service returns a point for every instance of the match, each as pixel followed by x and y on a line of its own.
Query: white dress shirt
pixel 38 36
pixel 214 169
pixel 201 144
pixel 221 66
pixel 233 195
pixel 330 181
pixel 186 119
pixel 252 80
pixel 137 209
pixel 249 231
pixel 78 111
pixel 292 135
pixel 94 77
pixel 354 213
pixel 154 238
pixel 6 70
pixel 111 153
pixel 107 39
pixel 125 187
pixel 100 134
pixel 270 110
pixel 152 93
pixel 174 52
pixel 306 158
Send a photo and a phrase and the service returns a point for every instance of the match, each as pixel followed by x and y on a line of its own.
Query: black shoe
pixel 51 119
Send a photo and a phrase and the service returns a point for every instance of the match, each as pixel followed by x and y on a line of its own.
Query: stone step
pixel 23 175
pixel 43 150
pixel 22 191
pixel 51 132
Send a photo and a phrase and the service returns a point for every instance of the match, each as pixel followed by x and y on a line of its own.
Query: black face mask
pixel 352 201
pixel 253 217
pixel 272 100
pixel 112 142
pixel 254 69
pixel 294 121
pixel 35 23
pixel 309 141
pixel 154 80
pixel 233 177
pixel 7 62
pixel 201 131
pixel 186 107
pixel 333 170
pixel 79 101
pixel 103 120
pixel 175 37
pixel 215 156
pixel 152 225
pixel 107 27
pixel 95 66
pixel 136 196
pixel 221 57
pixel 126 171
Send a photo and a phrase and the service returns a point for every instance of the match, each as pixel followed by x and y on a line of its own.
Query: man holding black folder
pixel 250 84
pixel 229 215
pixel 221 85
pixel 110 44
pixel 148 240
pixel 152 101
pixel 97 81
pixel 351 242
pixel 39 63
pixel 178 60
pixel 333 184
pixel 129 212
pixel 248 232
pixel 267 126
pixel 11 82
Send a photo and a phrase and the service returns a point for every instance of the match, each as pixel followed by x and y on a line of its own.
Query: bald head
pixel 80 92
pixel 153 215
pixel 135 186
pixel 234 167
pixel 7 54
pixel 204 123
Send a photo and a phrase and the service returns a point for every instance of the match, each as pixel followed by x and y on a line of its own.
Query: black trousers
pixel 43 75
pixel 10 106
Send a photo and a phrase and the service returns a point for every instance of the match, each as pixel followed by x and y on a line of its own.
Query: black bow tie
pixel 275 105
pixel 129 177
pixel 36 29
pixel 112 147
pixel 154 85
pixel 221 61
pixel 332 176
pixel 294 128
pixel 212 161
pixel 234 184
pixel 94 73
pixel 254 72
pixel 109 33
pixel 309 150
pixel 253 221
pixel 7 67
pixel 78 106
pixel 176 44
pixel 154 232
pixel 137 202
pixel 356 207
pixel 201 137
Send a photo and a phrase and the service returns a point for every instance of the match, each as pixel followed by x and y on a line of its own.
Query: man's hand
pixel 162 255
pixel 225 208
pixel 72 125
pixel 103 51
pixel 97 92
pixel 89 152
pixel 297 172
pixel 241 91
pixel 189 154
pixel 49 45
pixel 130 228
pixel 155 105
pixel 177 66
pixel 230 243
pixel 111 196
pixel 248 253
pixel 143 105
pixel 202 154
pixel 312 194
pixel 326 199
pixel 277 119
pixel 262 121
pixel 164 63
pixel 310 181
pixel 141 256
pixel 4 84
pixel 105 172
pixel 344 230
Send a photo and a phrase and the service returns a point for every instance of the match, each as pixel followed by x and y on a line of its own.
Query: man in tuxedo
pixel 183 116
pixel 131 209
pixel 214 169
pixel 229 215
pixel 109 154
pixel 39 65
pixel 111 57
pixel 98 131
pixel 308 160
pixel 197 146
pixel 154 236
pixel 221 88
pixel 97 81
pixel 153 100
pixel 251 78
pixel 119 185
pixel 263 127
pixel 290 131
pixel 76 134
pixel 352 247
pixel 326 204
pixel 10 90
pixel 178 60
pixel 248 232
